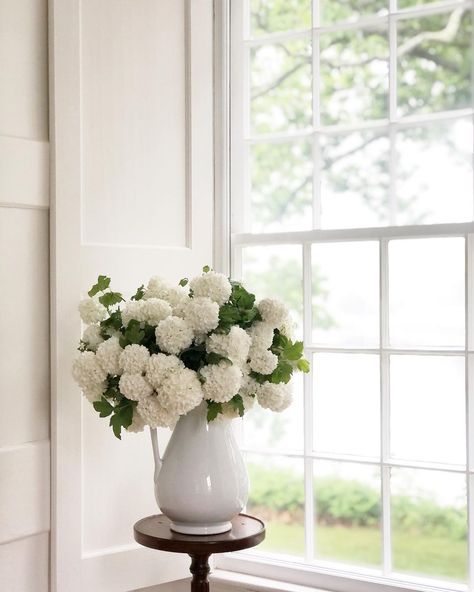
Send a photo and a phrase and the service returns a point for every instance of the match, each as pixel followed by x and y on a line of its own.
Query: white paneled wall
pixel 24 297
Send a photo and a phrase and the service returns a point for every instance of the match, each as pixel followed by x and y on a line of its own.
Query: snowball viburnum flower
pixel 138 423
pixel 91 311
pixel 94 392
pixel 181 391
pixel 154 414
pixel 108 356
pixel 156 310
pixel 221 381
pixel 235 345
pixel 92 337
pixel 87 371
pixel 273 311
pixel 134 359
pixel 201 314
pixel 276 397
pixel 135 387
pixel 212 285
pixel 134 310
pixel 261 334
pixel 173 335
pixel 157 288
pixel 160 366
pixel 263 361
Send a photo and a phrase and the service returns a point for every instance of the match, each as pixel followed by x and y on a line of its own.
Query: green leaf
pixel 111 298
pixel 213 358
pixel 183 282
pixel 241 297
pixel 280 341
pixel 133 334
pixel 116 423
pixel 206 269
pixel 139 293
pixel 303 365
pixel 282 373
pixel 293 351
pixel 113 322
pixel 103 407
pixel 103 282
pixel 213 410
pixel 238 404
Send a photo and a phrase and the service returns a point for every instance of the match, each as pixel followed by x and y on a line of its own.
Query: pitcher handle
pixel 156 452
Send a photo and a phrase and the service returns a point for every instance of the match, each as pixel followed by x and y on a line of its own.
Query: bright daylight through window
pixel 352 201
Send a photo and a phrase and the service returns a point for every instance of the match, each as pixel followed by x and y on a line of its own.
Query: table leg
pixel 200 570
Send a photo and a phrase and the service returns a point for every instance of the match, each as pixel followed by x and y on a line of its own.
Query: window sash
pixel 310 571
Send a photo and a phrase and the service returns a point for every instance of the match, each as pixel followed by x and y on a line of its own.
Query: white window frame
pixel 308 571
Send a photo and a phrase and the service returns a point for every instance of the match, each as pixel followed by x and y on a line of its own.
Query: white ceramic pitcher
pixel 201 483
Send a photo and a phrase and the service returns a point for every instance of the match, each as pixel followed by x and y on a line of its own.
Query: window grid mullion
pixel 468 243
pixel 385 406
pixel 309 529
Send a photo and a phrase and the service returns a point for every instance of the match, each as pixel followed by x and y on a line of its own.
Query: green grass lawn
pixel 427 555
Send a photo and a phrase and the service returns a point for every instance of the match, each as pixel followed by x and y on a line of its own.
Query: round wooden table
pixel 154 532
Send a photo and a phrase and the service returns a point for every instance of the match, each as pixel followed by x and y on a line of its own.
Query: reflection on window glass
pixel 427 398
pixel 333 11
pixel 277 497
pixel 347 512
pixel 429 159
pixel 276 271
pixel 345 294
pixel 429 523
pixel 281 186
pixel 434 62
pixel 265 430
pixel 426 285
pixel 355 179
pixel 354 75
pixel 274 16
pixel 346 403
pixel 281 96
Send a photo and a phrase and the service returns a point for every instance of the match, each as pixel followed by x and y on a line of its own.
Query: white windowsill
pixel 229 581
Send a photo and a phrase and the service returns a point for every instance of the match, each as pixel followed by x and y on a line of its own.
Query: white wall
pixel 24 297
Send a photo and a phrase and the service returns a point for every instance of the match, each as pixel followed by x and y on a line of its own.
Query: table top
pixel 155 532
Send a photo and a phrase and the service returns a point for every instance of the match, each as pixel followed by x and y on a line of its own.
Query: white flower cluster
pixel 184 356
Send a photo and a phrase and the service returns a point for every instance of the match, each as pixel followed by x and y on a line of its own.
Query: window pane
pixel 265 430
pixel 281 96
pixel 429 523
pixel 430 159
pixel 273 16
pixel 346 404
pixel 427 408
pixel 333 11
pixel 277 497
pixel 282 186
pixel 354 75
pixel 434 62
pixel 355 179
pixel 276 272
pixel 347 512
pixel 427 292
pixel 346 294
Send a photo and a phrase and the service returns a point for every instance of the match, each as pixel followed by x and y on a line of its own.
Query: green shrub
pixel 352 503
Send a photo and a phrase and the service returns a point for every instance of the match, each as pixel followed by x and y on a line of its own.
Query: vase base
pixel 200 529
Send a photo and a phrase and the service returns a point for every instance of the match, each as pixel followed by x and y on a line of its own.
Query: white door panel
pixel 132 197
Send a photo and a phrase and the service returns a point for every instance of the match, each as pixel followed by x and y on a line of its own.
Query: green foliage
pixel 238 404
pixel 213 410
pixel 139 293
pixel 206 269
pixel 114 405
pixel 133 334
pixel 103 282
pixel 240 310
pixel 111 324
pixel 122 416
pixel 103 407
pixel 108 299
pixel 183 282
pixel 213 358
pixel 353 503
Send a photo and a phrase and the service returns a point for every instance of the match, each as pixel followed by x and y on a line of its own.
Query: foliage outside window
pixel 352 201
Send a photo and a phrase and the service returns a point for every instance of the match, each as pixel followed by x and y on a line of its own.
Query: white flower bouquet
pixel 149 360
